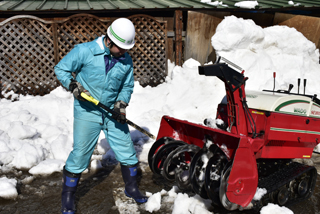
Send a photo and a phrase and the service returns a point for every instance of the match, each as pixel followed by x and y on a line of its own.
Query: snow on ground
pixel 36 132
pixel 8 188
pixel 275 209
pixel 180 202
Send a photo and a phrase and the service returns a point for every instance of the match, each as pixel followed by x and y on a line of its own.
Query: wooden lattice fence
pixel 31 47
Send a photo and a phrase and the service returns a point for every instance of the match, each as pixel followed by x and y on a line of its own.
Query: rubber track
pixel 284 176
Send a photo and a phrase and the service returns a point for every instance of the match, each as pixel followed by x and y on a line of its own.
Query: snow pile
pixel 262 51
pixel 35 129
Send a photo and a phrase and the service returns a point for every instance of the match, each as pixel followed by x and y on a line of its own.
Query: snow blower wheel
pixel 197 171
pixel 156 146
pixel 223 191
pixel 182 178
pixel 161 155
pixel 283 196
pixel 213 172
pixel 303 187
pixel 180 157
pixel 181 172
pixel 198 167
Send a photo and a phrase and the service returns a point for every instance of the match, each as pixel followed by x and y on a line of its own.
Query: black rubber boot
pixel 69 186
pixel 129 175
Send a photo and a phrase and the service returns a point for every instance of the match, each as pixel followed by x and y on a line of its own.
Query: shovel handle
pixel 96 102
pixel 89 98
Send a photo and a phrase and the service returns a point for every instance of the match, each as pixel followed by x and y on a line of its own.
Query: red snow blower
pixel 255 146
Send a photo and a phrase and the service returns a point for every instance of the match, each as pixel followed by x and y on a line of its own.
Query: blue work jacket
pixel 87 61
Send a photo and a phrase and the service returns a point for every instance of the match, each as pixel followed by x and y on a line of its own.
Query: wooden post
pixel 55 42
pixel 178 36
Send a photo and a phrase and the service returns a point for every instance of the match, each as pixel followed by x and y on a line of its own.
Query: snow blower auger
pixel 255 147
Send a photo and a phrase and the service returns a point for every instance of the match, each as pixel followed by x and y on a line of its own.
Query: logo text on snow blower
pixel 300 110
pixel 313 112
pixel 251 96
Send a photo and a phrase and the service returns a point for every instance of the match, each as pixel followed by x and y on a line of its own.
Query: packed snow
pixel 259 194
pixel 36 132
pixel 294 4
pixel 214 3
pixel 8 188
pixel 275 209
pixel 247 4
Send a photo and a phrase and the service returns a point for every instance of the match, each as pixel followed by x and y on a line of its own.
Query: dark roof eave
pixel 141 10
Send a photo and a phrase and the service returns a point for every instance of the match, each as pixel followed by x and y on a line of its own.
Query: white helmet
pixel 122 33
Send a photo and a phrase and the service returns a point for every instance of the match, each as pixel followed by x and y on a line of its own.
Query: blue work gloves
pixel 76 88
pixel 120 109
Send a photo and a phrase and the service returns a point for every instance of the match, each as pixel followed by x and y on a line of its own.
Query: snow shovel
pixel 96 102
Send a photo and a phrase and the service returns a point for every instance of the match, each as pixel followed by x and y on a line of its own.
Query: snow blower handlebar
pixel 97 103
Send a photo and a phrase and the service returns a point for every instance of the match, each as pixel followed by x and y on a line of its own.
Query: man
pixel 104 70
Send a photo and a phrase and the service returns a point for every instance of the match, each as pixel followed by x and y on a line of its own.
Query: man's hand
pixel 76 88
pixel 120 109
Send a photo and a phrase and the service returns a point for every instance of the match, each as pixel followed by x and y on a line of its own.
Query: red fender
pixel 243 178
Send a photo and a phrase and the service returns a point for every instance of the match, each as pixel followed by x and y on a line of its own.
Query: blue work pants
pixel 86 135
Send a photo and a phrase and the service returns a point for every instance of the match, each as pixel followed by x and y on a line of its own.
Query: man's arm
pixel 70 63
pixel 127 88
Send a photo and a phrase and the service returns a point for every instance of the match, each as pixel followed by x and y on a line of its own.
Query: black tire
pixel 196 173
pixel 163 152
pixel 155 147
pixel 180 157
pixel 213 173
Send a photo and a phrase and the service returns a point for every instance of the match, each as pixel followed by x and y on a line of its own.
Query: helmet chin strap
pixel 109 44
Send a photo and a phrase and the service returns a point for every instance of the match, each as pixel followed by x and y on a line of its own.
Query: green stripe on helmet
pixel 116 36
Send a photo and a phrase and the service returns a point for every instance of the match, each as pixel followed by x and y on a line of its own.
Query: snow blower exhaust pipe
pixel 274 81
pixel 97 103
